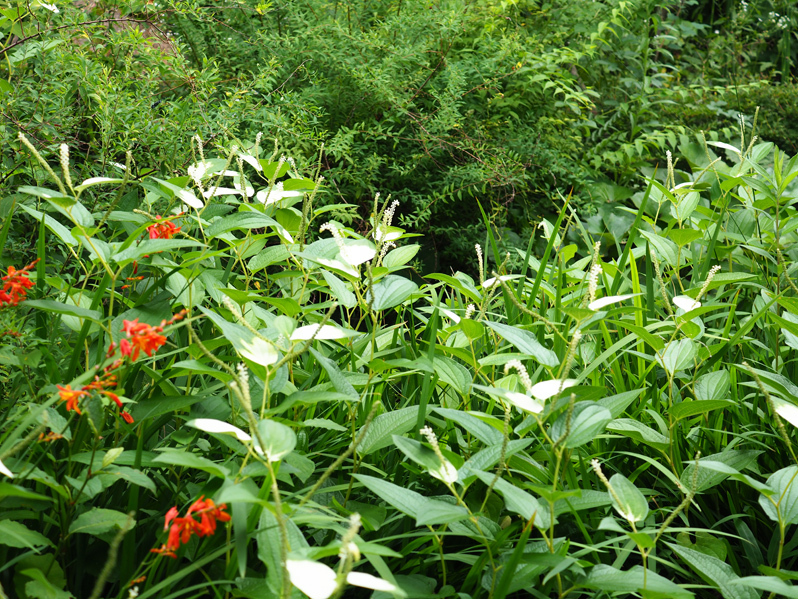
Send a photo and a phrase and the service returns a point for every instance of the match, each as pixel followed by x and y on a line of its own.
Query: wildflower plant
pixel 248 395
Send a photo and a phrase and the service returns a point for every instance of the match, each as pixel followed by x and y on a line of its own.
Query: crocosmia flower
pixel 182 528
pixel 140 337
pixel 16 285
pixel 71 397
pixel 164 230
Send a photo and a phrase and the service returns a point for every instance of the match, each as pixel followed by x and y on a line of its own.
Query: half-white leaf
pixel 545 389
pixel 686 303
pixel 314 579
pixel 324 332
pixel 211 425
pixel 606 301
pixel 367 581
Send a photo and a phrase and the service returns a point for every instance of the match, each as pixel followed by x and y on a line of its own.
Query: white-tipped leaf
pixel 4 470
pixel 355 255
pixel 324 332
pixel 277 193
pixel 445 472
pixel 211 425
pixel 787 411
pixel 523 402
pixel 97 181
pixel 220 191
pixel 189 199
pixel 315 579
pixel 367 581
pixel 495 281
pixel 686 303
pixel 606 301
pixel 545 389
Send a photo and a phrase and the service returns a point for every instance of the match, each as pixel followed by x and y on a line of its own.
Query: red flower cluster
pixel 164 230
pixel 16 285
pixel 72 397
pixel 144 337
pixel 181 529
pixel 140 336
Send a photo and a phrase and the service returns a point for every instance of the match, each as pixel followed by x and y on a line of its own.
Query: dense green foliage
pixel 442 104
pixel 229 368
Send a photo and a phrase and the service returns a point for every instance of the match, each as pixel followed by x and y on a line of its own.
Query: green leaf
pixel 339 290
pixel 60 230
pixel 472 328
pixel 391 291
pixel 9 490
pixel 244 341
pixel 406 501
pixel 177 457
pixel 339 381
pixel 715 572
pixel 713 385
pixel 639 432
pixel 771 584
pixel 617 404
pixel 61 308
pixel 667 250
pixel 586 500
pixel 691 408
pixel 278 438
pixel 683 237
pixel 16 534
pixel 518 501
pixel 400 256
pixel 383 427
pixel 99 521
pixel 486 458
pixel 453 373
pixel 153 246
pixel 246 220
pixel 426 457
pixel 481 430
pixel 678 355
pixel 588 420
pixel 609 579
pixel 783 505
pixel 268 256
pixel 630 503
pixel 111 474
pixel 708 478
pixel 40 587
pixel 433 512
pixel 526 342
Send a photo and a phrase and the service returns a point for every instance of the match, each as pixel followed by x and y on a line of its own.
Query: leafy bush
pixel 215 370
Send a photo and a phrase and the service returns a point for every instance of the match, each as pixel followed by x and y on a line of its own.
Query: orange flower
pixel 164 230
pixel 71 397
pixel 128 418
pixel 16 285
pixel 209 513
pixel 181 528
pixel 140 337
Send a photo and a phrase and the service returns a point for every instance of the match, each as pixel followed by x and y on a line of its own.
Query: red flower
pixel 209 513
pixel 71 396
pixel 128 418
pixel 16 285
pixel 181 528
pixel 164 230
pixel 140 337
